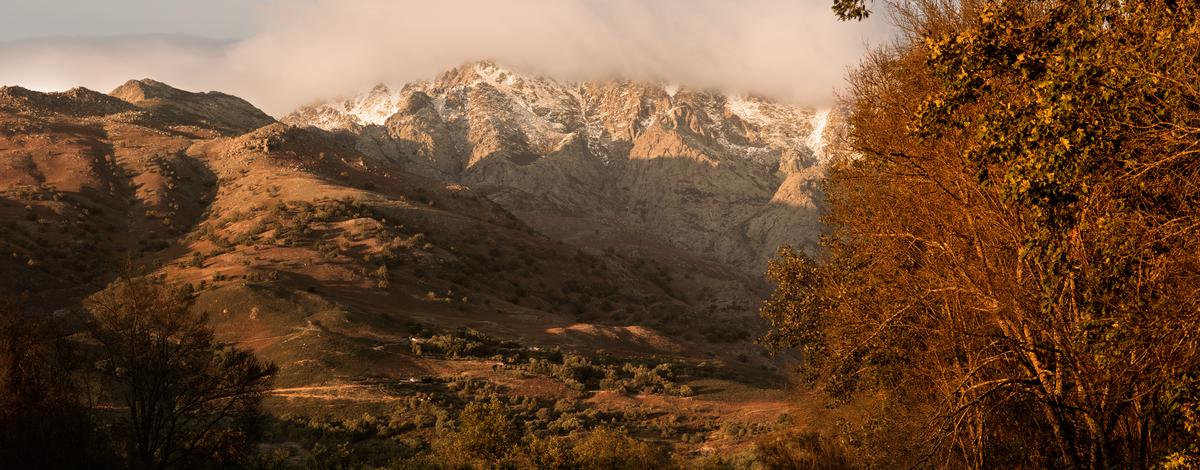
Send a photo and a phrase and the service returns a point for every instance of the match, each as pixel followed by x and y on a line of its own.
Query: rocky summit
pixel 726 176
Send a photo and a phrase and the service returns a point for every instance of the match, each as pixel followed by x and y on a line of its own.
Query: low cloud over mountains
pixel 307 50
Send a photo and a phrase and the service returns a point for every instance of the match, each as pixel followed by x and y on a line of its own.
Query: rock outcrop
pixel 226 113
pixel 730 177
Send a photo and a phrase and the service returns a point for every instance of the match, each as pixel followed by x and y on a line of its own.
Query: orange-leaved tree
pixel 1014 264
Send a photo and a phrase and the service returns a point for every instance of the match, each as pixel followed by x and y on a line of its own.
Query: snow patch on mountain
pixel 743 108
pixel 816 138
pixel 671 89
pixel 371 108
pixel 374 107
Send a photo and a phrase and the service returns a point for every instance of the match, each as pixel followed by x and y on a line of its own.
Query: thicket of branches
pixel 43 399
pixel 139 383
pixel 1012 275
pixel 188 401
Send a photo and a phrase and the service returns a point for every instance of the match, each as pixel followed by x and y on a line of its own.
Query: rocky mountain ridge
pixel 728 176
pixel 227 113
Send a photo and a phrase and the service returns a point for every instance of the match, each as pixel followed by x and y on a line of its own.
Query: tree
pixel 1015 245
pixel 486 437
pixel 41 395
pixel 607 448
pixel 188 400
pixel 851 9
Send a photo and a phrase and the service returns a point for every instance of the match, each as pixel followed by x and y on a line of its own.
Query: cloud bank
pixel 306 50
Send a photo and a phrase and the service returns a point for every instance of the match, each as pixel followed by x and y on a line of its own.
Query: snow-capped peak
pixel 370 108
pixel 494 74
pixel 373 107
pixel 542 111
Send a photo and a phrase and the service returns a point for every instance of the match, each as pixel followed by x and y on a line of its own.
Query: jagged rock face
pixel 77 102
pixel 227 113
pixel 731 177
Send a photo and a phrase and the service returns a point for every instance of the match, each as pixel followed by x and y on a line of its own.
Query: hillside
pixel 600 258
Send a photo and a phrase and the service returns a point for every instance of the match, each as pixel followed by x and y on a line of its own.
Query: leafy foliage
pixel 851 9
pixel 188 399
pixel 1015 246
pixel 485 433
pixel 606 448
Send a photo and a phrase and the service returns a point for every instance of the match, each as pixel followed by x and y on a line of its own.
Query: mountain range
pixel 730 177
pixel 621 220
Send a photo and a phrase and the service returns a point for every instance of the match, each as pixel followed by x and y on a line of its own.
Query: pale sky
pixel 218 19
pixel 280 54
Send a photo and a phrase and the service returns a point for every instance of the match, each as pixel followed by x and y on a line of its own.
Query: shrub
pixel 802 450
pixel 550 454
pixel 611 449
pixel 485 436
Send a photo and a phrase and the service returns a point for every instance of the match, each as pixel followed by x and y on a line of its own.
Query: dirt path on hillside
pixel 345 392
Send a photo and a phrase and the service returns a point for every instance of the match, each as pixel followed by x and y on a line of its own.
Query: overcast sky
pixel 283 53
pixel 218 19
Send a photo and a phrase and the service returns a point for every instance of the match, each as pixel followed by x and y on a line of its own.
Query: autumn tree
pixel 188 400
pixel 1013 272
